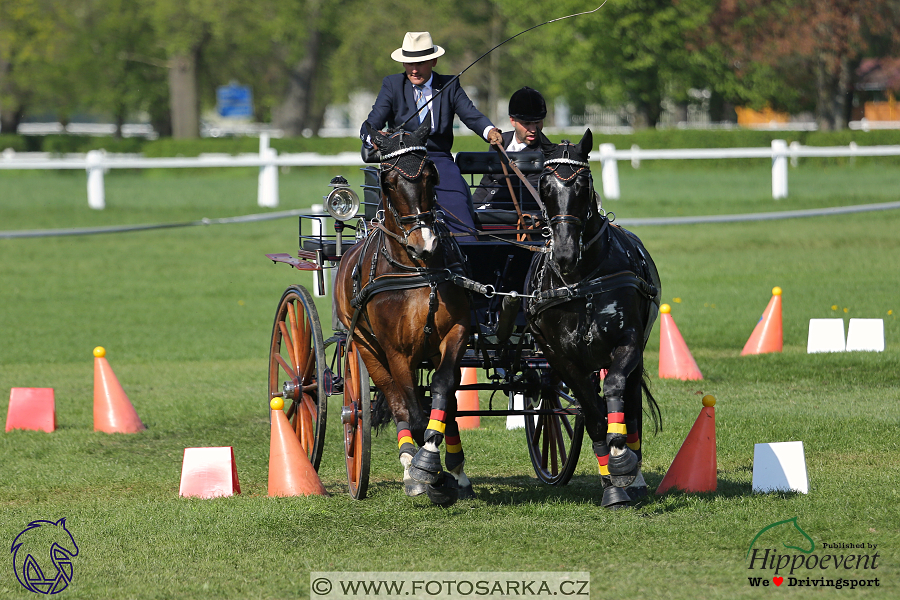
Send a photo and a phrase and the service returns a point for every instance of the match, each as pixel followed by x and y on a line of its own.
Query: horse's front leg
pixel 624 463
pixel 426 466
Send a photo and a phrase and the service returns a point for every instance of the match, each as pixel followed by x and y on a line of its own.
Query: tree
pixel 35 41
pixel 628 52
pixel 811 48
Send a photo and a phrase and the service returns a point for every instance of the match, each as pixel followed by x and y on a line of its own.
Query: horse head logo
pixel 787 529
pixel 41 544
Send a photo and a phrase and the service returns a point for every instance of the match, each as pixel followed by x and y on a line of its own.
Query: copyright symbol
pixel 321 586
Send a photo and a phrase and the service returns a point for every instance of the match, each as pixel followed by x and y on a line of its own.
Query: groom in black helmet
pixel 527 110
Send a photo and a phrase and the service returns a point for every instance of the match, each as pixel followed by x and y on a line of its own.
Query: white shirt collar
pixel 515 146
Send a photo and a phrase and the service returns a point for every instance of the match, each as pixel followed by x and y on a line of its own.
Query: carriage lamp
pixel 342 203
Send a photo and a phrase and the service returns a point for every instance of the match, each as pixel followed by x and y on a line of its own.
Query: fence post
pixel 609 171
pixel 95 190
pixel 267 193
pixel 779 169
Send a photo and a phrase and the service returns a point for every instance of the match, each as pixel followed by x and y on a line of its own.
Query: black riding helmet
pixel 527 104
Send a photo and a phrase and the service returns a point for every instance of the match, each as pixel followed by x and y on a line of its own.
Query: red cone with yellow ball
pixel 290 471
pixel 675 360
pixel 113 411
pixel 767 336
pixel 694 467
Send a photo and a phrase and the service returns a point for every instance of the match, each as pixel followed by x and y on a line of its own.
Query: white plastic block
pixel 517 402
pixel 780 467
pixel 825 335
pixel 865 335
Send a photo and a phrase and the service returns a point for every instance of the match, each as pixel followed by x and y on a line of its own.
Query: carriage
pixel 306 368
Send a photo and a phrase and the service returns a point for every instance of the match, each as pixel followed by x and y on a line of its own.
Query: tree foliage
pixel 165 58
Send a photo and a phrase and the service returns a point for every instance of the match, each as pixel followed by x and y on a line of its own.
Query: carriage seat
pixel 482 163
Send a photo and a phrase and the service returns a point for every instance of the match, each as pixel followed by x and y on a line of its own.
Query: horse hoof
pixel 624 463
pixel 624 468
pixel 637 492
pixel 615 498
pixel 413 488
pixel 426 466
pixel 623 481
pixel 445 493
pixel 467 492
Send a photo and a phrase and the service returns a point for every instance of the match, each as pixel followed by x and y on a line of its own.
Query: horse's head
pixel 408 179
pixel 567 191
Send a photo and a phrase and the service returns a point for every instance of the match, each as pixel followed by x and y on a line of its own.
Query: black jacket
pixel 493 191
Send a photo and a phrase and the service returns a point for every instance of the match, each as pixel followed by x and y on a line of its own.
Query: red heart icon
pixel 778 580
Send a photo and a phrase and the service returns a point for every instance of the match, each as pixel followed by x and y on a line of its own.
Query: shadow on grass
pixel 581 489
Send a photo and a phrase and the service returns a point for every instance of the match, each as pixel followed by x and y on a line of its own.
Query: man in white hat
pixel 397 102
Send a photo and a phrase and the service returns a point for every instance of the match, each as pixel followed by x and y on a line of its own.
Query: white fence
pixel 779 153
pixel 97 162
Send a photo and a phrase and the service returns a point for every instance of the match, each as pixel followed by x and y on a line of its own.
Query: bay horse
pixel 394 293
pixel 595 298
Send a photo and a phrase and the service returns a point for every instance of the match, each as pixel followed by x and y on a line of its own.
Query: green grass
pixel 186 315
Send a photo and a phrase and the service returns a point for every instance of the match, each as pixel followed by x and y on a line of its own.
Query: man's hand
pixel 494 137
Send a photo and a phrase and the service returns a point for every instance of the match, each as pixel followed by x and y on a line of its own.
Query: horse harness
pixel 410 162
pixel 593 284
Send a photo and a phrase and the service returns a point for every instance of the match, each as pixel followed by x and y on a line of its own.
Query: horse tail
pixel 653 407
pixel 381 412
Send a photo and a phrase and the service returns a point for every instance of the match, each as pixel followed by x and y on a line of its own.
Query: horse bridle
pixel 418 220
pixel 577 221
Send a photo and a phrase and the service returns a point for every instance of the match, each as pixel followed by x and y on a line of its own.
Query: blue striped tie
pixel 420 101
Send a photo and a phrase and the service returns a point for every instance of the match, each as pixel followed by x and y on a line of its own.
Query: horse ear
pixel 377 136
pixel 421 134
pixel 586 143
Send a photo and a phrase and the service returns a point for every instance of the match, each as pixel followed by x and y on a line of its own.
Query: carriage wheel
pixel 554 440
pixel 297 368
pixel 356 415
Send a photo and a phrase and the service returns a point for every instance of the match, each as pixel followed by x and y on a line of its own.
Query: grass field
pixel 185 315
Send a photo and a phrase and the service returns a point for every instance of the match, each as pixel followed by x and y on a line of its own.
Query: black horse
pixel 595 297
pixel 395 293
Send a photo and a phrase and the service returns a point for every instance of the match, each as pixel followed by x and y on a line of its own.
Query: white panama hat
pixel 417 47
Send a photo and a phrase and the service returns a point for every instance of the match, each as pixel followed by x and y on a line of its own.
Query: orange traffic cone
pixel 209 473
pixel 468 400
pixel 290 471
pixel 31 408
pixel 675 360
pixel 113 412
pixel 694 467
pixel 767 335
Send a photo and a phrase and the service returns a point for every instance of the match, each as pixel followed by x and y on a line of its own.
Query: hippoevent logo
pixel 42 556
pixel 784 554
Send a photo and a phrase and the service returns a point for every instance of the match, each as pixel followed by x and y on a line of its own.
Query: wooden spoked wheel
pixel 297 370
pixel 356 416
pixel 554 437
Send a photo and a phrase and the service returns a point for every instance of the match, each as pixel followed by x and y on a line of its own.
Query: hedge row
pixel 649 138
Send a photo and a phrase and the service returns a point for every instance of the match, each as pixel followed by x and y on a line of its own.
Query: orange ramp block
pixel 675 359
pixel 113 412
pixel 468 400
pixel 31 408
pixel 290 471
pixel 767 336
pixel 209 473
pixel 694 467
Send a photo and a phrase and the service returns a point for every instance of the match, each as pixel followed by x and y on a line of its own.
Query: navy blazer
pixel 396 103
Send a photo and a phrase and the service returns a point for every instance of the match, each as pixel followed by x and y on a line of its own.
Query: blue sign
pixel 234 100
